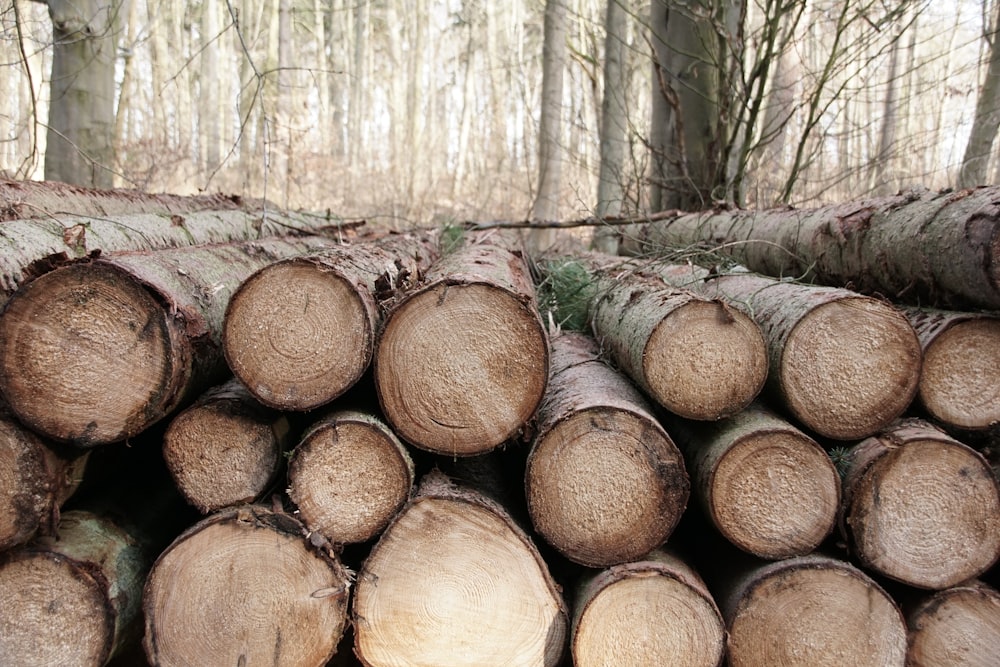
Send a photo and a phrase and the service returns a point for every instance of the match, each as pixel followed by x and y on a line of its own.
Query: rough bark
pixel 959 380
pixel 300 332
pixel 765 485
pixel 932 249
pixel 959 627
pixel 35 481
pixel 226 449
pixel 71 599
pixel 95 352
pixel 604 482
pixel 808 611
pixel 453 581
pixel 31 247
pixel 244 587
pixel 842 364
pixel 461 363
pixel 656 611
pixel 698 358
pixel 349 476
pixel 920 507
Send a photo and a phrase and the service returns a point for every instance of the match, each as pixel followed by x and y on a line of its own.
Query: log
pixel 698 358
pixel 842 364
pixel 921 507
pixel 97 351
pixel 960 379
pixel 225 449
pixel 924 248
pixel 807 611
pixel 35 480
pixel 349 475
pixel 461 363
pixel 766 486
pixel 604 482
pixel 244 587
pixel 655 611
pixel 958 627
pixel 72 599
pixel 301 331
pixel 453 581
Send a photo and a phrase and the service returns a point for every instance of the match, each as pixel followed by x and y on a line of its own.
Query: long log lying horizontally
pixel 604 482
pixel 244 587
pixel 926 248
pixel 95 352
pixel 301 331
pixel 920 507
pixel 462 362
pixel 453 581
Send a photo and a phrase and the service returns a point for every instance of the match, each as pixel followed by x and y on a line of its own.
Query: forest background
pixel 424 112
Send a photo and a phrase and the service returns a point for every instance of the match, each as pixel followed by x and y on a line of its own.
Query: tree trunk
pixel 349 476
pixel 80 144
pixel 604 482
pixel 244 587
pixel 453 581
pixel 696 357
pixel 71 599
pixel 930 249
pixel 843 364
pixel 808 611
pixel 226 449
pixel 35 481
pixel 959 627
pixel 95 352
pixel 920 507
pixel 462 362
pixel 301 331
pixel 766 486
pixel 656 611
pixel 550 144
pixel 987 117
pixel 958 382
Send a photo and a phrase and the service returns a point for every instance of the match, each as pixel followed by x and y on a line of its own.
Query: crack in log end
pixel 332 591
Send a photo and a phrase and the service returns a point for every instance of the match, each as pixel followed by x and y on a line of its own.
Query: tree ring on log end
pixel 850 367
pixel 461 367
pixel 959 380
pixel 624 499
pixel 809 611
pixel 298 334
pixel 645 616
pixel 89 356
pixel 705 361
pixel 958 627
pixel 775 494
pixel 926 513
pixel 52 612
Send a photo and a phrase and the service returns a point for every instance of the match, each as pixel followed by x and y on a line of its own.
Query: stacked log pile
pixel 337 447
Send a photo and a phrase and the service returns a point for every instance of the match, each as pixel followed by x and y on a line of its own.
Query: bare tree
pixel 987 118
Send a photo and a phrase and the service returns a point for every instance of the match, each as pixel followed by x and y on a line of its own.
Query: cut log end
pixel 775 494
pixel 926 513
pixel 218 457
pixel 460 368
pixel 604 486
pixel 452 583
pixel 53 612
pixel 840 617
pixel 85 354
pixel 645 615
pixel 850 367
pixel 958 383
pixel 298 335
pixel 959 627
pixel 240 585
pixel 348 477
pixel 705 361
